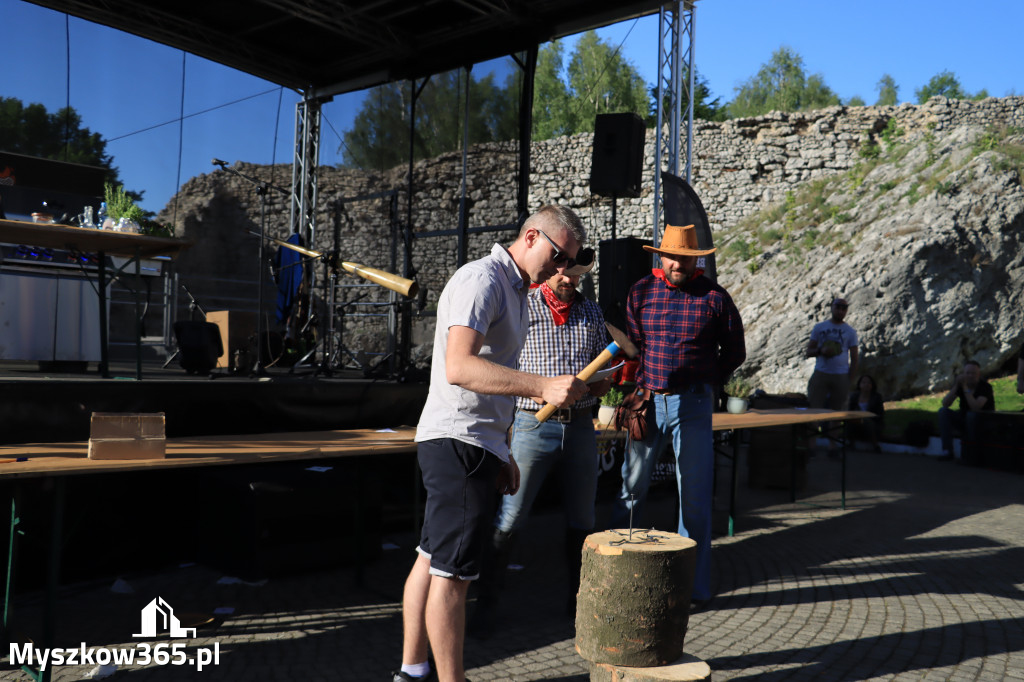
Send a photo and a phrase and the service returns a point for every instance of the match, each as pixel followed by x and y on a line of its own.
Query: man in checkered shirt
pixel 566 332
pixel 690 337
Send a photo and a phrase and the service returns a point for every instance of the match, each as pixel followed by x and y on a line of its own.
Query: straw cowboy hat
pixel 679 241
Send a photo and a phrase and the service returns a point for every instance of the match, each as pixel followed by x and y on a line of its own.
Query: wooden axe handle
pixel 600 361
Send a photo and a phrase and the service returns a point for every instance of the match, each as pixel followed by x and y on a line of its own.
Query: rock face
pixel 924 242
pixel 913 212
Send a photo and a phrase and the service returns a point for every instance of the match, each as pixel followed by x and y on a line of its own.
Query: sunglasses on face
pixel 844 306
pixel 560 256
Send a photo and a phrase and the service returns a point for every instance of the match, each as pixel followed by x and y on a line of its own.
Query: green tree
pixel 855 101
pixel 888 91
pixel 781 85
pixel 597 80
pixel 379 137
pixel 943 84
pixel 602 81
pixel 33 131
pixel 704 107
pixel 552 106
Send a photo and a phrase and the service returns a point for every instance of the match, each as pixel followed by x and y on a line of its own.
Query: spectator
pixel 976 396
pixel 867 399
pixel 833 344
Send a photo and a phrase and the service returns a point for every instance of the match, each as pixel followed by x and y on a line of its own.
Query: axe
pixel 619 342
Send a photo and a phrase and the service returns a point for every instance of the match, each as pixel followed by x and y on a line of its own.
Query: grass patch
pixel 900 414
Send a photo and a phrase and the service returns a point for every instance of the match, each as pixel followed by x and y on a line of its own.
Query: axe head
pixel 620 337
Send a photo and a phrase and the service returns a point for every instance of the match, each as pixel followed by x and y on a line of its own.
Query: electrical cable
pixel 181 138
pixel 192 115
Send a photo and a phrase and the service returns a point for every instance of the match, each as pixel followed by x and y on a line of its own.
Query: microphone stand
pixel 261 191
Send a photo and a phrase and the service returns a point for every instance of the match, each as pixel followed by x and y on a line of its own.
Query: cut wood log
pixel 634 601
pixel 686 669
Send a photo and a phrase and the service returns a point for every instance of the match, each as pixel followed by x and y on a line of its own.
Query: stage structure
pixel 676 42
pixel 338 47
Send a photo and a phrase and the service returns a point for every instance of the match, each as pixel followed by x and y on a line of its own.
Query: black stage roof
pixel 330 46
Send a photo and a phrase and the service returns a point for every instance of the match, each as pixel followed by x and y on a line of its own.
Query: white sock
pixel 417 669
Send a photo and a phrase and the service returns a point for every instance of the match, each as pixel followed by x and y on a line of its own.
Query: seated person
pixel 975 396
pixel 867 399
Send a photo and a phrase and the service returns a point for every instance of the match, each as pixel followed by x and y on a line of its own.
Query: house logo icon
pixel 158 616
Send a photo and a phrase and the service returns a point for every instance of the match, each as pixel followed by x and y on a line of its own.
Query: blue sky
pixel 130 90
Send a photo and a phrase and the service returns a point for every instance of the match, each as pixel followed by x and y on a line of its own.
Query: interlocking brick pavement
pixel 920 578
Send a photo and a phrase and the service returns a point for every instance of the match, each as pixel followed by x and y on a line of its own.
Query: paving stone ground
pixel 921 577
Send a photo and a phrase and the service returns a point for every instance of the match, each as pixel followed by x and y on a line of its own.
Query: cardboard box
pixel 115 435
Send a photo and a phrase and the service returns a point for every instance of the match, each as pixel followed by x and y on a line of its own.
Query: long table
pixel 135 247
pixel 752 419
pixel 61 461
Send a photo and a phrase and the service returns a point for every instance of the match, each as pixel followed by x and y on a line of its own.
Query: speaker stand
pixel 614 212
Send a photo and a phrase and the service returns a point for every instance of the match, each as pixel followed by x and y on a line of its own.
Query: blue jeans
pixel 683 421
pixel 957 422
pixel 538 448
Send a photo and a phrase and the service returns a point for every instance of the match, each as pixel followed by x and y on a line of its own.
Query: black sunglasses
pixel 841 305
pixel 560 256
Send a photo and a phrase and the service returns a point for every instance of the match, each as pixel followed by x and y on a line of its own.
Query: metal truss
pixel 676 83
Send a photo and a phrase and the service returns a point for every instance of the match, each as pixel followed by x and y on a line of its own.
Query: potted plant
pixel 128 216
pixel 739 392
pixel 609 401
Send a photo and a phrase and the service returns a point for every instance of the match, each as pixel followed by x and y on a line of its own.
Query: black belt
pixel 564 415
pixel 692 387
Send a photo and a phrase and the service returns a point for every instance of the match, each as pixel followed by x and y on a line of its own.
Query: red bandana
pixel 559 310
pixel 660 274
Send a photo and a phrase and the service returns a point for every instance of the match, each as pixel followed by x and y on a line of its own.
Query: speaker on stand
pixel 616 164
pixel 623 262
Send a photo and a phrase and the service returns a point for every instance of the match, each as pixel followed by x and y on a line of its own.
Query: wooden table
pixel 62 461
pixel 135 247
pixel 752 419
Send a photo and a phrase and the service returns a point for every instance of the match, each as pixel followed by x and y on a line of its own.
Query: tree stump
pixel 686 669
pixel 634 601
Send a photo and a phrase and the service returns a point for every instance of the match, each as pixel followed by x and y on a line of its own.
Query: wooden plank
pixel 46 459
pixel 89 239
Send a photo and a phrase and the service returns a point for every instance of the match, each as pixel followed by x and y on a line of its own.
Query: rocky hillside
pixel 923 236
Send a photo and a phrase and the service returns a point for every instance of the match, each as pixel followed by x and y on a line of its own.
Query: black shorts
pixel 462 499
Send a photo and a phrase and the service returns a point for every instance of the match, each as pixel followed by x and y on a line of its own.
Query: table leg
pixel 101 291
pixel 732 482
pixel 842 458
pixel 138 314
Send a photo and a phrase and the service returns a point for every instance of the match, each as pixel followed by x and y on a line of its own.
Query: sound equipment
pixel 199 345
pixel 234 329
pixel 623 262
pixel 617 161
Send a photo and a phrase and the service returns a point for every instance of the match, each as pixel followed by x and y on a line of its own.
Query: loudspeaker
pixel 623 262
pixel 199 345
pixel 615 167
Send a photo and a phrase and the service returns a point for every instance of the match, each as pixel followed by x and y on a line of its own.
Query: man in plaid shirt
pixel 566 332
pixel 690 337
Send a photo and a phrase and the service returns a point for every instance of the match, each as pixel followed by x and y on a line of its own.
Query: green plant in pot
pixel 738 390
pixel 613 398
pixel 609 401
pixel 121 205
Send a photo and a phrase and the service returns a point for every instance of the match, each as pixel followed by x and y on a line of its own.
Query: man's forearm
pixel 479 375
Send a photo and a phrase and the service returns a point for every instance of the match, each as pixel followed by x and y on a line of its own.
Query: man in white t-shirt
pixel 833 344
pixel 463 451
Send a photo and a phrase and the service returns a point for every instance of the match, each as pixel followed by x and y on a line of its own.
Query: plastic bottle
pixel 101 215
